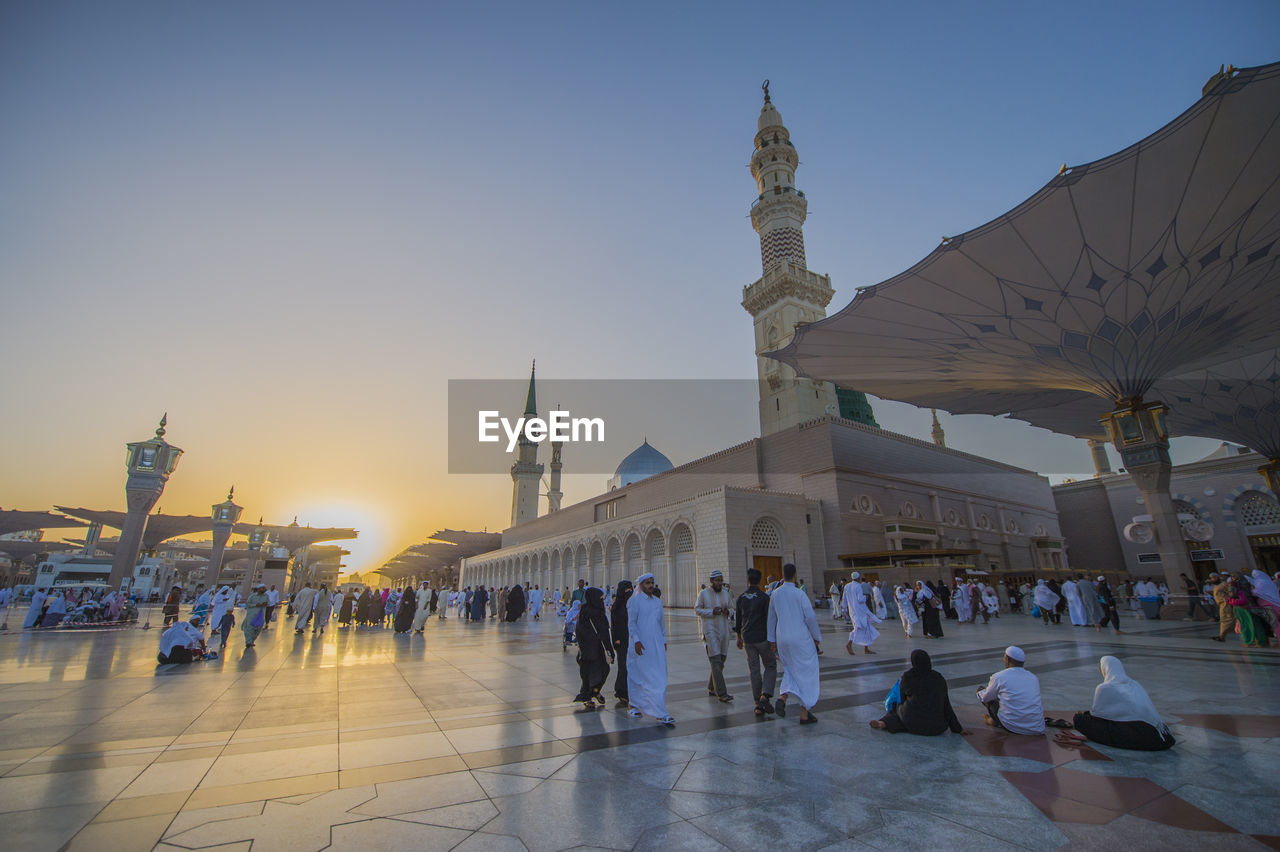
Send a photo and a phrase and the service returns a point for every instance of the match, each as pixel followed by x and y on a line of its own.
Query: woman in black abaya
pixel 618 628
pixel 362 608
pixel 515 603
pixel 930 606
pixel 594 651
pixel 406 610
pixel 925 708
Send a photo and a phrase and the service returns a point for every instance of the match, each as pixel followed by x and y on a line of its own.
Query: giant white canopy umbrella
pixel 1145 267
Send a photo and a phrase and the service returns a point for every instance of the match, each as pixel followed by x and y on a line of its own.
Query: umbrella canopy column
pixel 1138 433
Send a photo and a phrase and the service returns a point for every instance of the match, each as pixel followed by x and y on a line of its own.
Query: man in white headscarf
pixel 36 609
pixel 796 640
pixel 1075 604
pixel 712 608
pixel 535 602
pixel 647 653
pixel 303 603
pixel 861 618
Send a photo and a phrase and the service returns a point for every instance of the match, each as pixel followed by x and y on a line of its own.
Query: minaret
pixel 554 494
pixel 939 437
pixel 526 473
pixel 788 294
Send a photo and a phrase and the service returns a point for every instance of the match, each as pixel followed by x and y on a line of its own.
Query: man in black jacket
pixel 751 625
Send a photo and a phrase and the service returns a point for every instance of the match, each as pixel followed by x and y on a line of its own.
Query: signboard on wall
pixel 1207 555
pixel 1148 558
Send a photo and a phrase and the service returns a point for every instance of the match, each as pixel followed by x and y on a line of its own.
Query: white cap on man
pixel 1016 654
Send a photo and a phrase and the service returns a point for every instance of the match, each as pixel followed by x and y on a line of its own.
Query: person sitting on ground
pixel 925 708
pixel 1123 715
pixel 182 643
pixel 1012 696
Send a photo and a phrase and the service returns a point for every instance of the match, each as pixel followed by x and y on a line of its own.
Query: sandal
pixel 1056 723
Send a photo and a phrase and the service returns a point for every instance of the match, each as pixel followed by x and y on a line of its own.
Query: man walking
pixel 752 627
pixel 712 608
pixel 273 601
pixel 647 653
pixel 795 637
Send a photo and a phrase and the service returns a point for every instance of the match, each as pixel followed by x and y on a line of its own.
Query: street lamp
pixel 256 540
pixel 225 515
pixel 149 463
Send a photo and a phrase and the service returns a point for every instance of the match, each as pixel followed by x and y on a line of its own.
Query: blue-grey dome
pixel 644 461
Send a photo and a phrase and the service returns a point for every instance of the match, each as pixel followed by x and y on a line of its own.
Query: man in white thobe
pixel 794 635
pixel 960 600
pixel 303 603
pixel 535 602
pixel 1075 604
pixel 424 607
pixel 712 609
pixel 861 618
pixel 837 601
pixel 37 606
pixel 647 653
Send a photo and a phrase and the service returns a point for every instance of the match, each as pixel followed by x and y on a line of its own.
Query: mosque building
pixel 823 486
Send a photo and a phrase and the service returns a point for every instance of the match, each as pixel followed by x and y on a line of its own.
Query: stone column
pixel 1098 449
pixel 138 499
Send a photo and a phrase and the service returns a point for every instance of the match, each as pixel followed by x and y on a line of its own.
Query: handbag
pixel 894 698
pixel 257 620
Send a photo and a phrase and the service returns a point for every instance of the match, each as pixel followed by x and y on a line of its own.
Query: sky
pixel 290 225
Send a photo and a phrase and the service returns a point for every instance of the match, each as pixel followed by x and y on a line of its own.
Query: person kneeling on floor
pixel 1012 696
pixel 1123 715
pixel 182 643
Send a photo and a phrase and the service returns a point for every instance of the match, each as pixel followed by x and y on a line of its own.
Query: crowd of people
pixel 622 632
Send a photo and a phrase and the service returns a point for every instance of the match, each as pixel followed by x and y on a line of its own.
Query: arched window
pixel 1255 509
pixel 765 537
pixel 683 539
pixel 1182 507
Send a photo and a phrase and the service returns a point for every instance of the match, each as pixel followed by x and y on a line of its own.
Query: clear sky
pixel 290 224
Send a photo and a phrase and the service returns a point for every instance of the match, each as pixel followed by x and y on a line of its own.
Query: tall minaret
pixel 939 437
pixel 526 473
pixel 554 494
pixel 788 293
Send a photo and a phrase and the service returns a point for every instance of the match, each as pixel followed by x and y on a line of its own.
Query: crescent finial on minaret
pixel 765 87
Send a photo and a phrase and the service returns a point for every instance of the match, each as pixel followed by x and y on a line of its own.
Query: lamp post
pixel 150 464
pixel 256 540
pixel 225 515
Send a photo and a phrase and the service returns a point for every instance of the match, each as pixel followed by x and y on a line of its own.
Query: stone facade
pixel 1224 491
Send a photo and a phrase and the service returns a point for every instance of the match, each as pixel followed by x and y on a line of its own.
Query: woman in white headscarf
pixel 1046 600
pixel 1123 715
pixel 906 611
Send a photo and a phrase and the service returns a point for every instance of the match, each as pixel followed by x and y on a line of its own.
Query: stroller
pixel 571 626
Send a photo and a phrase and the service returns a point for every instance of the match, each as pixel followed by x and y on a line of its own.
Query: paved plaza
pixel 466 739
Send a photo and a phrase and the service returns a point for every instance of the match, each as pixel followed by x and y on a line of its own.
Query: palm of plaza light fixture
pixel 1084 308
pixel 149 463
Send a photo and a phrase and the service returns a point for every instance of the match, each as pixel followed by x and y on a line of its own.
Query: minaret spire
pixel 939 437
pixel 530 402
pixel 526 473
